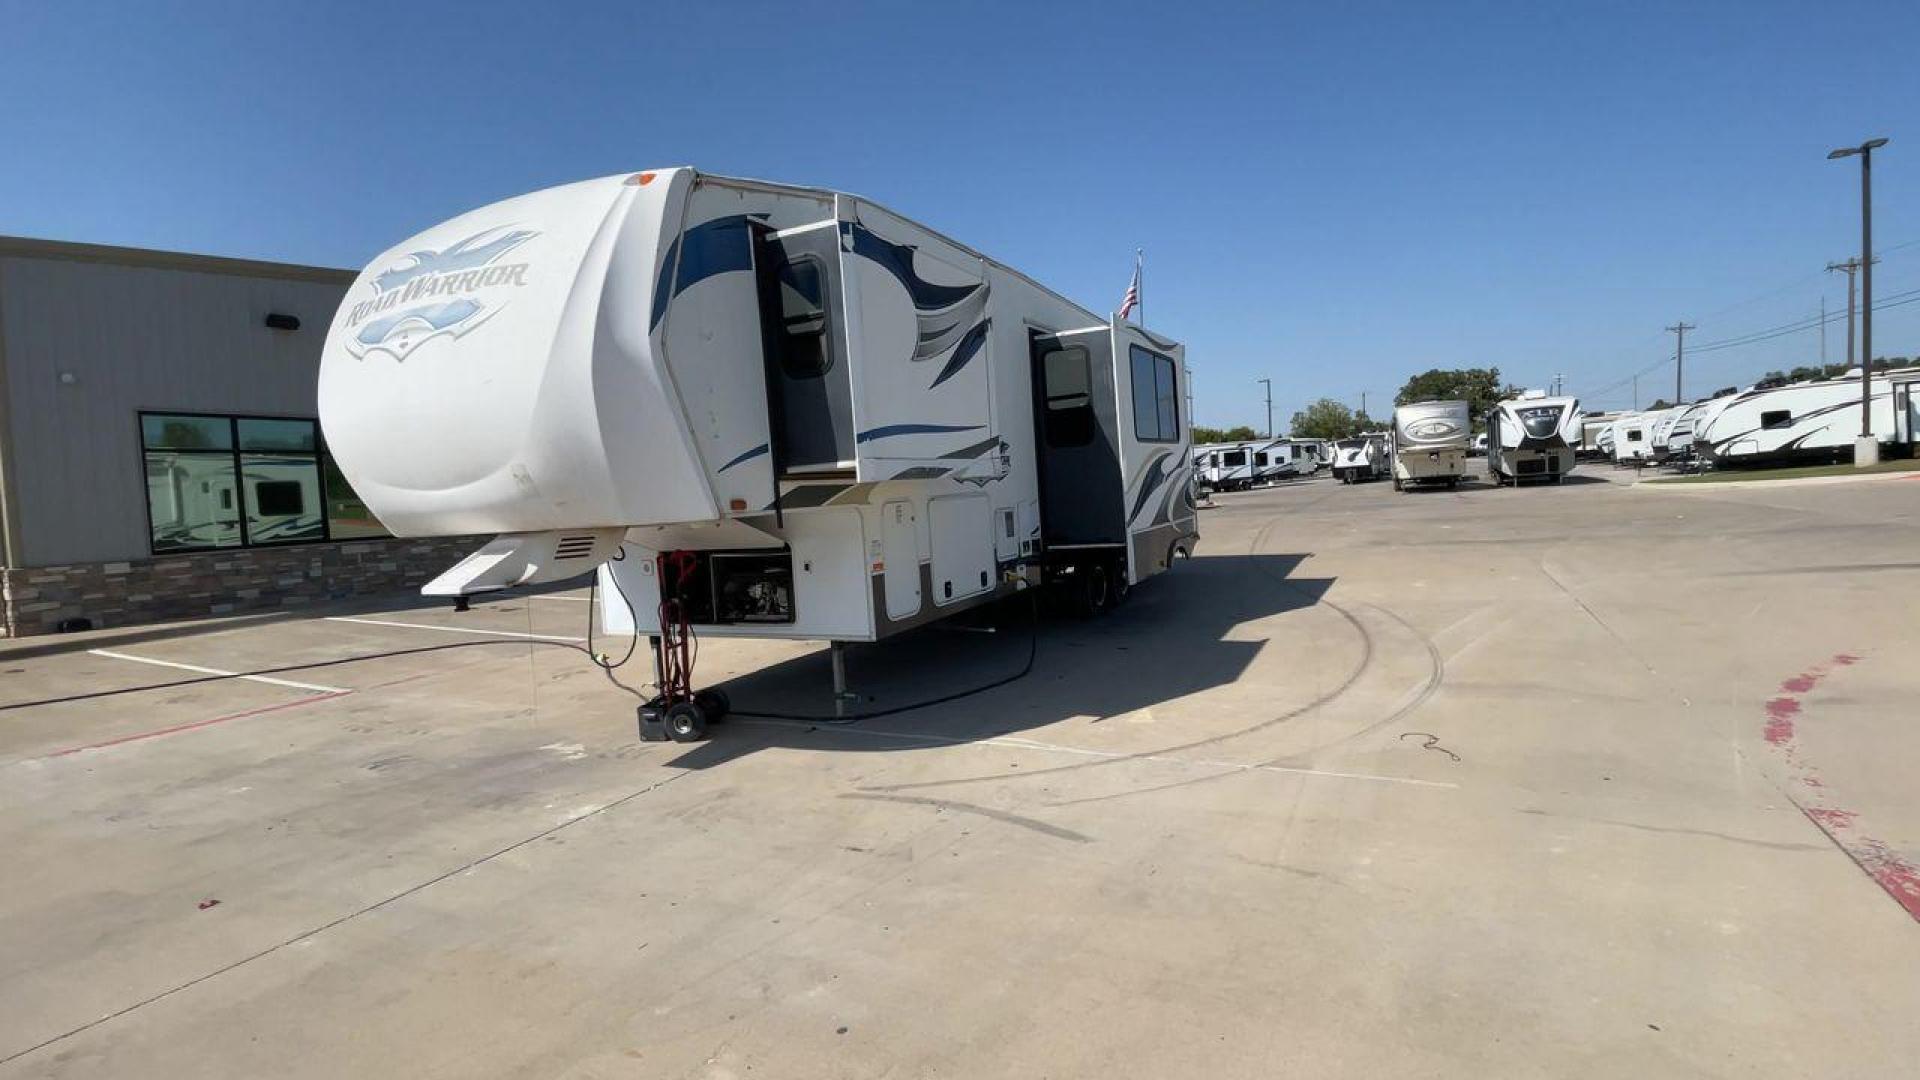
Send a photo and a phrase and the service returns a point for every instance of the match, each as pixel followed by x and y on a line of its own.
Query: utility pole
pixel 1823 325
pixel 1363 402
pixel 1866 451
pixel 1636 393
pixel 1679 330
pixel 1268 383
pixel 1849 268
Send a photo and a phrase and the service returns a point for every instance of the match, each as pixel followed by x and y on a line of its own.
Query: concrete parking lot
pixel 1592 780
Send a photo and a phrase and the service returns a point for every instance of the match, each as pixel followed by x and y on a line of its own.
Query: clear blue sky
pixel 1335 195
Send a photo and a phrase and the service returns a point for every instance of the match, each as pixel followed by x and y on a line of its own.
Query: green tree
pixel 1242 433
pixel 1478 387
pixel 1658 404
pixel 1324 419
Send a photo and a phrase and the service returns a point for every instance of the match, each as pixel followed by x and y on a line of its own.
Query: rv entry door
pixel 809 400
pixel 1076 436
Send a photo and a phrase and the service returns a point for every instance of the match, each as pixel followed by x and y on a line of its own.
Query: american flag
pixel 1132 299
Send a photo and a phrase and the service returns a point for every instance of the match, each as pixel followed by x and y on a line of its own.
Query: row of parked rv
pixel 1236 466
pixel 1769 423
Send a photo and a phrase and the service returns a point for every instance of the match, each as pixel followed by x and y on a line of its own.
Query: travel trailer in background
pixel 1228 466
pixel 1632 439
pixel 1596 434
pixel 759 410
pixel 1478 447
pixel 1662 424
pixel 1532 437
pixel 1361 458
pixel 1808 421
pixel 1430 443
pixel 1292 458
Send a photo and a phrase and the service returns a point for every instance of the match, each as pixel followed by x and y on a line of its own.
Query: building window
pixel 1156 411
pixel 238 481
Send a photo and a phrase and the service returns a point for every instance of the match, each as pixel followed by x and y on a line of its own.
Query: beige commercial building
pixel 160 451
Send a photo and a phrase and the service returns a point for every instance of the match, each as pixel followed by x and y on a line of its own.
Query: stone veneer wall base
pixel 35 599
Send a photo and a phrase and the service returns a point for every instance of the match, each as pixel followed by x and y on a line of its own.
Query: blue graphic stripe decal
pixel 890 430
pixel 897 259
pixel 968 348
pixel 660 295
pixel 748 456
pixel 716 247
pixel 430 317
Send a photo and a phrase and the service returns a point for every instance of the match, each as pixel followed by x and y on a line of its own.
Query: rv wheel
pixel 1397 486
pixel 1094 592
pixel 686 722
pixel 1120 589
pixel 714 704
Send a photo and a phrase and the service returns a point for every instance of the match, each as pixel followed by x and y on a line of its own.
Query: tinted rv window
pixel 1260 458
pixel 1233 459
pixel 1633 434
pixel 803 319
pixel 1776 418
pixel 1156 397
pixel 1069 419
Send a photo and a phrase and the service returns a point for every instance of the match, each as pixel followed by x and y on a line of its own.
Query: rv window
pixel 1776 418
pixel 1156 397
pixel 1233 459
pixel 1634 435
pixel 803 319
pixel 1260 458
pixel 1069 389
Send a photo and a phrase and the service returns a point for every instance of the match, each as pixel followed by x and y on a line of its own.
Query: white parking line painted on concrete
pixel 313 687
pixel 449 629
pixel 1056 748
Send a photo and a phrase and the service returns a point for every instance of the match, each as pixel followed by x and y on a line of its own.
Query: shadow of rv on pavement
pixel 1169 640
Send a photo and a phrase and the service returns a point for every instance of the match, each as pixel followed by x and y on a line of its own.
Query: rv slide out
pixel 788 411
pixel 1430 441
pixel 1532 438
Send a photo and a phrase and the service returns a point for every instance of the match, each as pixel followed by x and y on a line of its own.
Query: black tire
pixel 1118 588
pixel 1397 485
pixel 1095 589
pixel 714 703
pixel 1453 483
pixel 686 722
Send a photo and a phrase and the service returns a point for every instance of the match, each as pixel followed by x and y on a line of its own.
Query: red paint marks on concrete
pixel 1897 876
pixel 197 724
pixel 205 904
pixel 1780 714
pixel 1829 818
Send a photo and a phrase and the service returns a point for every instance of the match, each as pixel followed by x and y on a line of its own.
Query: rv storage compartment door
pixel 1074 431
pixel 962 535
pixel 917 313
pixel 809 401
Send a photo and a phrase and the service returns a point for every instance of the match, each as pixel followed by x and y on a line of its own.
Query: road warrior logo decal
pixel 462 284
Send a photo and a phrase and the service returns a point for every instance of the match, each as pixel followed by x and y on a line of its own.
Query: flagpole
pixel 1140 275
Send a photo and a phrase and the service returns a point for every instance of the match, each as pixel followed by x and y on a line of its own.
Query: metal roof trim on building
pixel 34 248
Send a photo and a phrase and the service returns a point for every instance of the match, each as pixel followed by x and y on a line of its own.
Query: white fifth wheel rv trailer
pixel 759 410
pixel 1532 437
pixel 1361 458
pixel 1799 421
pixel 1430 443
pixel 1286 458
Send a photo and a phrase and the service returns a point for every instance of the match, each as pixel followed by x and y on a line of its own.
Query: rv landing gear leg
pixel 841 696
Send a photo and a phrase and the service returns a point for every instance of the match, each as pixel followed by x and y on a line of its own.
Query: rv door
pixel 802 326
pixel 1076 433
pixel 1155 447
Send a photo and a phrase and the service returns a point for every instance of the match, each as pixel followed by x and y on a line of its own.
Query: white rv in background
pixel 1291 458
pixel 1229 466
pixel 1816 420
pixel 796 413
pixel 1632 439
pixel 1430 441
pixel 1361 458
pixel 1596 434
pixel 1532 437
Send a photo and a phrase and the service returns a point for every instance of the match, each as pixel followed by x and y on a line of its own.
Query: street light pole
pixel 1268 383
pixel 1866 451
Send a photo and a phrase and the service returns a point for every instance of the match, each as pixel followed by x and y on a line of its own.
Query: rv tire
pixel 1397 485
pixel 686 722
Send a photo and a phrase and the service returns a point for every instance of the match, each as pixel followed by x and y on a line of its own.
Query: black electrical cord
pixel 633 621
pixel 1033 650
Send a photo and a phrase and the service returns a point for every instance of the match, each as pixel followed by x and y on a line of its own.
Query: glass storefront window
pixel 241 481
